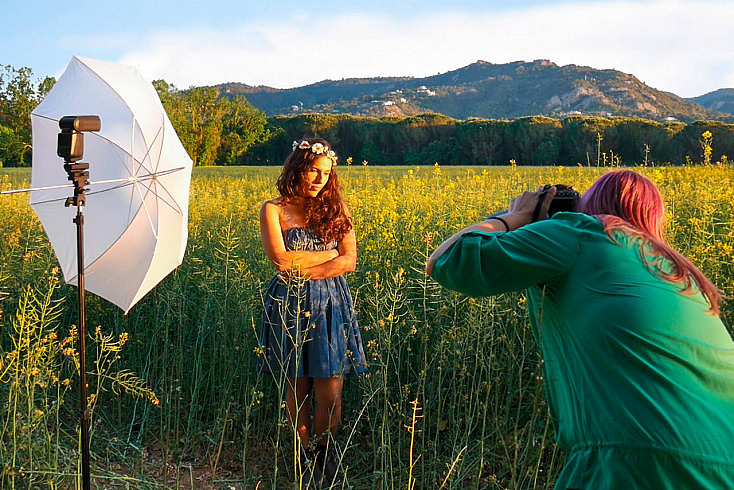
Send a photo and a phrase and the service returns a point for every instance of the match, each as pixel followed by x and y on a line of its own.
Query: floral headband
pixel 317 148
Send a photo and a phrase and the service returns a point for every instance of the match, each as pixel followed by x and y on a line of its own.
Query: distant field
pixel 470 365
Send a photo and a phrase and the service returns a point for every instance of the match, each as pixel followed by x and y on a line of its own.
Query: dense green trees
pixel 19 95
pixel 214 130
pixel 430 138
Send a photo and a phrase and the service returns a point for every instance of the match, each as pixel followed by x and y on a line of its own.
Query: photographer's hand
pixel 521 208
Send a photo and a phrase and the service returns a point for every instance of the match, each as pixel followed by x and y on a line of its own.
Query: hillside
pixel 721 100
pixel 485 90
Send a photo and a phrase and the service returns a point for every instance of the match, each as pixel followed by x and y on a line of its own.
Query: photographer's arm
pixel 520 213
pixel 489 226
pixel 272 240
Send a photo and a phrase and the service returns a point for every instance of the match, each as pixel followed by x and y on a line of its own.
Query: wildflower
pixel 123 338
pixel 66 382
pixel 153 399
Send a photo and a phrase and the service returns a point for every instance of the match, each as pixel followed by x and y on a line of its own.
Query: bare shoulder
pixel 346 209
pixel 272 208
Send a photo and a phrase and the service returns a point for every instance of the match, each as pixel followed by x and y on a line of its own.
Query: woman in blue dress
pixel 310 337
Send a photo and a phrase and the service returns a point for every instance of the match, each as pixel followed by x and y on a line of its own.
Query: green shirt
pixel 639 376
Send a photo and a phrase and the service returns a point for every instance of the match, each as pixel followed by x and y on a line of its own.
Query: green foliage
pixel 38 443
pixel 214 130
pixel 19 95
pixel 430 138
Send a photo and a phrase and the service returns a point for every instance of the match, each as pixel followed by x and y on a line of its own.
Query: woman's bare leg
pixel 328 394
pixel 298 401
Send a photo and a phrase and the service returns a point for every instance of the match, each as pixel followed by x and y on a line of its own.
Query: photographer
pixel 638 366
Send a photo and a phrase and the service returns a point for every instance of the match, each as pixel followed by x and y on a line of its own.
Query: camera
pixel 566 199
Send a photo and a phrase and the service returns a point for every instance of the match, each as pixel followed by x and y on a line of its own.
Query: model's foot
pixel 327 465
pixel 309 476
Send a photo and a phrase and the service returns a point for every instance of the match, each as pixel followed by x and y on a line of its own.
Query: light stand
pixel 71 149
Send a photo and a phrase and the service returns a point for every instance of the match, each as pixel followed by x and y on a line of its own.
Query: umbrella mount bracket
pixel 79 176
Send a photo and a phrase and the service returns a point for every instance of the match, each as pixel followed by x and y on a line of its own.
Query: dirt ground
pixel 193 474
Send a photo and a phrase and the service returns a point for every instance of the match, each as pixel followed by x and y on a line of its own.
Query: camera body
pixel 566 199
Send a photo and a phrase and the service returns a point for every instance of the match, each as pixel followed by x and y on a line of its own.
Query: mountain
pixel 484 90
pixel 721 100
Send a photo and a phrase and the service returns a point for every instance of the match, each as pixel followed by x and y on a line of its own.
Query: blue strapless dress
pixel 310 327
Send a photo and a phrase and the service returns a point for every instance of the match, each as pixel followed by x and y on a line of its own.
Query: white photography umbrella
pixel 136 209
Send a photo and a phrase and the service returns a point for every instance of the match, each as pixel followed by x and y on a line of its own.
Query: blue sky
pixel 680 46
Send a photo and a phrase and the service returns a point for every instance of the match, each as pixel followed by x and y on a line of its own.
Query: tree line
pixel 434 138
pixel 217 129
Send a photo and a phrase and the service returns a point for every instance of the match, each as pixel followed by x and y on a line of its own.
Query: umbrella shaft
pixel 84 412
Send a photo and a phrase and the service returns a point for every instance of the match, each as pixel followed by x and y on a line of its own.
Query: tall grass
pixel 453 398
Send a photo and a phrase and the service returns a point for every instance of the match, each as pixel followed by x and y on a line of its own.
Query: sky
pixel 679 46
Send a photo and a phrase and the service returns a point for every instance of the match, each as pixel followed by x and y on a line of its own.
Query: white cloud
pixel 673 45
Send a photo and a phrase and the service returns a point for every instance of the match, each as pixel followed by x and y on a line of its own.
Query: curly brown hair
pixel 325 214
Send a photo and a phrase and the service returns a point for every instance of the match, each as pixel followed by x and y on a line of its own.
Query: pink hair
pixel 627 201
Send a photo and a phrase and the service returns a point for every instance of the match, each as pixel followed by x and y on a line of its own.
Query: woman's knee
pixel 330 400
pixel 328 393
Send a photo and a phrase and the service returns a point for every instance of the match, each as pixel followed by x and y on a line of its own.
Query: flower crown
pixel 317 148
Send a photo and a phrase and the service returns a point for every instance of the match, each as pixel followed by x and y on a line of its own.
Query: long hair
pixel 629 202
pixel 325 214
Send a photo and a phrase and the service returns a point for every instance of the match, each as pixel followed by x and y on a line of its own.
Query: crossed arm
pixel 311 264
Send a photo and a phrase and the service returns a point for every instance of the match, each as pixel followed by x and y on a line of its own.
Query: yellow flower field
pixel 453 398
